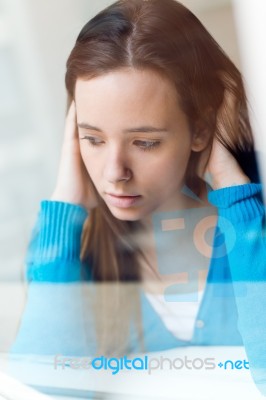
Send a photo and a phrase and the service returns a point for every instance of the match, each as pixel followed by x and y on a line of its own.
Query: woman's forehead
pixel 130 87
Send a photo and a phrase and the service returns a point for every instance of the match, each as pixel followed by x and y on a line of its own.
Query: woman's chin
pixel 127 214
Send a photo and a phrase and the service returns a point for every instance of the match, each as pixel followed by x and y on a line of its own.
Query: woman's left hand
pixel 222 169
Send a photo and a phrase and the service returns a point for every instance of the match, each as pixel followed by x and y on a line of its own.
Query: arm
pixel 239 203
pixel 242 207
pixel 53 321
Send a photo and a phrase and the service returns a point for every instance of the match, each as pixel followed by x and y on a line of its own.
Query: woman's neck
pixel 187 199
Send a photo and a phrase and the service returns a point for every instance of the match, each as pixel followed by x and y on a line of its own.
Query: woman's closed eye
pixel 93 140
pixel 144 145
pixel 147 144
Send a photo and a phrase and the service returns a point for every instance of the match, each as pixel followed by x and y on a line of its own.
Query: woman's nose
pixel 117 168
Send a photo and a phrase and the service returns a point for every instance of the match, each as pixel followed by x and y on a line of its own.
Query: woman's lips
pixel 122 201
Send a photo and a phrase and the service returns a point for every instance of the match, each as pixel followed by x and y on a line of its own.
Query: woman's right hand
pixel 73 182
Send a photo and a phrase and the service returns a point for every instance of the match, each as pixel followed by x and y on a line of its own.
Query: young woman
pixel 156 201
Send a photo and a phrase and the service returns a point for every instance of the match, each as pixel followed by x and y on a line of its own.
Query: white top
pixel 179 316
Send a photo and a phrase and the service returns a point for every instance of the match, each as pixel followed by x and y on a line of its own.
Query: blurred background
pixel 36 37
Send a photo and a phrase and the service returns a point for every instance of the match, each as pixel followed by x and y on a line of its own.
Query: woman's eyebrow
pixel 146 129
pixel 84 125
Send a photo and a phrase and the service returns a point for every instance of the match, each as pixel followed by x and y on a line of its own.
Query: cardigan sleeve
pixel 54 248
pixel 52 321
pixel 241 219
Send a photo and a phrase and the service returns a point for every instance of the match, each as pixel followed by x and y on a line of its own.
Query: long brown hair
pixel 166 37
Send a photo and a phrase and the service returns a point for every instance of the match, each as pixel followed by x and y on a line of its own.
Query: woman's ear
pixel 203 131
pixel 201 138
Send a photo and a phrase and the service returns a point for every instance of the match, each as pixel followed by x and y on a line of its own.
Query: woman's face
pixel 134 140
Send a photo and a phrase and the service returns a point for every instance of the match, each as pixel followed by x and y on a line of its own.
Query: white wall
pixel 251 30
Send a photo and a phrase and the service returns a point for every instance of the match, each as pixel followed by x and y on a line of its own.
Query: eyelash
pixel 146 145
